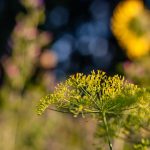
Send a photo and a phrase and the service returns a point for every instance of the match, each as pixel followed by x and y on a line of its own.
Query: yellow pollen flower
pixel 130 25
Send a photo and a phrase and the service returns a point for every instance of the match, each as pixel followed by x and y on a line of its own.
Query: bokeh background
pixel 42 42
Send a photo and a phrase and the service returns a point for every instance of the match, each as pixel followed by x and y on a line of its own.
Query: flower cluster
pixel 95 92
pixel 115 103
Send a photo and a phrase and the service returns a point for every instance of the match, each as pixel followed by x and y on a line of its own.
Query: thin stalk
pixel 62 111
pixel 91 98
pixel 107 131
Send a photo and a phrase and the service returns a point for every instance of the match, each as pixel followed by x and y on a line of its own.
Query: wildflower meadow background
pixel 83 66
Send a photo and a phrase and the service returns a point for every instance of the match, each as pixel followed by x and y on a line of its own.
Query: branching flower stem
pixel 107 130
pixel 61 111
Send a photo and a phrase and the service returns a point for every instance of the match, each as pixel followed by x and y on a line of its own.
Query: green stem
pixel 107 131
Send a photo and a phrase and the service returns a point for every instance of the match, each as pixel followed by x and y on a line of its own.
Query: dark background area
pixel 82 37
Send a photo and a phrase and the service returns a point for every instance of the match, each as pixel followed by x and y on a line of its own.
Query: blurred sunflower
pixel 131 26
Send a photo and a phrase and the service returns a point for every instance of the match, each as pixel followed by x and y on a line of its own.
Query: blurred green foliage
pixel 26 79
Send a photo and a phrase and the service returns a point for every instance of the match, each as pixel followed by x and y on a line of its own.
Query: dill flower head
pixel 95 92
pixel 112 100
pixel 130 25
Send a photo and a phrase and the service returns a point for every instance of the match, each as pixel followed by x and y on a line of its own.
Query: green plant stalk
pixel 107 130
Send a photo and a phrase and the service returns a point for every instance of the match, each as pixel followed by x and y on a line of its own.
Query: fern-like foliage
pixel 111 99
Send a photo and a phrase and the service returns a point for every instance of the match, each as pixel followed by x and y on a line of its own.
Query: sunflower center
pixel 136 27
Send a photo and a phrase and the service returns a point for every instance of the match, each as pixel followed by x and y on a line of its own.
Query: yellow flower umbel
pixel 130 25
pixel 81 94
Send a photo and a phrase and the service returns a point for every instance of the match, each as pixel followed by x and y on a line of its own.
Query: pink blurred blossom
pixel 11 69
